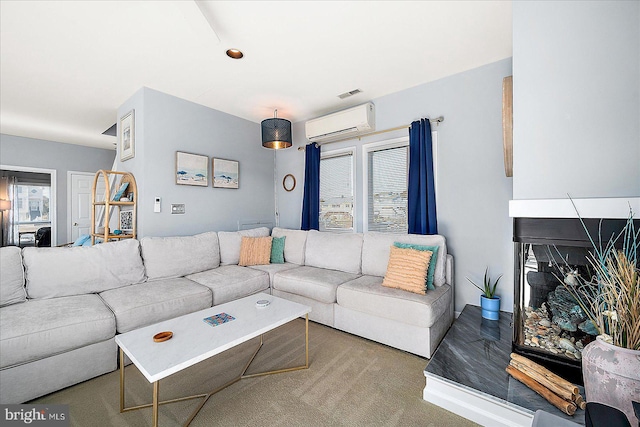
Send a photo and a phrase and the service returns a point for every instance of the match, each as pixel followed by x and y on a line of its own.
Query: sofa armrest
pixel 449 270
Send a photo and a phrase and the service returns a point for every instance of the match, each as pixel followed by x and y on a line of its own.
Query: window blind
pixel 336 193
pixel 387 196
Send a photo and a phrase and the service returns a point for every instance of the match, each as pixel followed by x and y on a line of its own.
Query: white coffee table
pixel 194 341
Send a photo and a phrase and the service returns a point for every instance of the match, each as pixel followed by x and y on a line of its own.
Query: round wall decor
pixel 289 182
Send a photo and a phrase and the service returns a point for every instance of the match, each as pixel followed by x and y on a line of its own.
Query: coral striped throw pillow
pixel 407 270
pixel 255 251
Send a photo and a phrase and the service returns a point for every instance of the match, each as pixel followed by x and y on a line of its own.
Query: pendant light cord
pixel 275 189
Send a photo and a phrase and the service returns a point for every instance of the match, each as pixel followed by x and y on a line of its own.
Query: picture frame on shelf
pixel 226 173
pixel 126 136
pixel 126 221
pixel 192 169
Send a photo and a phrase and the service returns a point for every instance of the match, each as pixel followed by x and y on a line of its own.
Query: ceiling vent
pixel 350 93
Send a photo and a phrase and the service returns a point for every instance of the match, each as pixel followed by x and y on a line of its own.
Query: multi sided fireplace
pixel 550 326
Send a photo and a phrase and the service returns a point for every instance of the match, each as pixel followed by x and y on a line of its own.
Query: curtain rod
pixel 437 121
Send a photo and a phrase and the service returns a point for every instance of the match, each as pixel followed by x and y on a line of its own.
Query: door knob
pixel 75 224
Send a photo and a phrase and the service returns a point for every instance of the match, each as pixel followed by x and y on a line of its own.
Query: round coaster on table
pixel 262 303
pixel 162 336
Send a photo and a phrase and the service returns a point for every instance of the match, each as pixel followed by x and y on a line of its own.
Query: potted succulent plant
pixel 489 301
pixel 611 300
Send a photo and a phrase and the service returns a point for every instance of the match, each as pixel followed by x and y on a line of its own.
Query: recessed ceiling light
pixel 234 53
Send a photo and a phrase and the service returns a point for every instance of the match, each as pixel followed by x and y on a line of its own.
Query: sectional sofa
pixel 60 308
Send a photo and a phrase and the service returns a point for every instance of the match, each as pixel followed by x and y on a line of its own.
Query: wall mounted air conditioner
pixel 344 124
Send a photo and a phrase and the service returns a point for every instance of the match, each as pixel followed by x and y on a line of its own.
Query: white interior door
pixel 80 195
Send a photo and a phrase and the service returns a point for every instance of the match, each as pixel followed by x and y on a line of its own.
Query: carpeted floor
pixel 350 382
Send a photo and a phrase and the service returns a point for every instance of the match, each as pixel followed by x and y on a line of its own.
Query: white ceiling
pixel 66 66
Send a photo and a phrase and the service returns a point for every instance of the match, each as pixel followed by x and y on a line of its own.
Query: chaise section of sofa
pixel 340 276
pixel 401 319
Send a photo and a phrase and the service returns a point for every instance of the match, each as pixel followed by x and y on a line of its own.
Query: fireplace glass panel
pixel 550 323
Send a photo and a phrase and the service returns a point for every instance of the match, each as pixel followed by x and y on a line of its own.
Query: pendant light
pixel 276 133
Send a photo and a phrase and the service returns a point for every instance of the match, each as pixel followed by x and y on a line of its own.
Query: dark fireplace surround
pixel 548 325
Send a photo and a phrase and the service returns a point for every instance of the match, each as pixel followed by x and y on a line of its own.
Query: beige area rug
pixel 350 382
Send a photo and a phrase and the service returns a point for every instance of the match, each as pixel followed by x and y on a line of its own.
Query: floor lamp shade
pixel 5 205
pixel 276 133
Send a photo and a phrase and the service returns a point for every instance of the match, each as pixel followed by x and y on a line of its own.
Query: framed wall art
pixel 127 136
pixel 225 173
pixel 192 169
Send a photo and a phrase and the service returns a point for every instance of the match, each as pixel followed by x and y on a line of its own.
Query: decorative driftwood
pixel 580 402
pixel 561 382
pixel 568 408
pixel 560 391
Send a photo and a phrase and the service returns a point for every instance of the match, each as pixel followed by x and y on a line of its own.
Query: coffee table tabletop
pixel 194 340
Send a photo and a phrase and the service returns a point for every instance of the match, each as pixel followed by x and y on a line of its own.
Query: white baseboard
pixel 474 405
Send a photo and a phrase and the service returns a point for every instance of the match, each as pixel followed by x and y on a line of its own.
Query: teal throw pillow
pixel 432 264
pixel 277 250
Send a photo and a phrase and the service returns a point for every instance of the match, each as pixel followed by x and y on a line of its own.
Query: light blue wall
pixel 576 68
pixel 36 153
pixel 473 192
pixel 165 124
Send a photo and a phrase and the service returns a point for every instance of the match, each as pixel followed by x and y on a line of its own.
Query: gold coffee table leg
pixel 156 387
pixel 279 371
pixel 121 380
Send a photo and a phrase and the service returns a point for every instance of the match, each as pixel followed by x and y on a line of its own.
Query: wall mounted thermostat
pixel 156 204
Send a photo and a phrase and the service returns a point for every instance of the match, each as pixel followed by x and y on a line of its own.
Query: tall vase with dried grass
pixel 611 299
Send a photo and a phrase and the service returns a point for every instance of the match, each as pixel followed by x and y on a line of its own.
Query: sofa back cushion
pixel 376 247
pixel 230 242
pixel 11 276
pixel 177 256
pixel 335 251
pixel 294 244
pixel 57 272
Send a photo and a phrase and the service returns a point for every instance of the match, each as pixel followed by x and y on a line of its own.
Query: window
pixel 386 177
pixel 337 190
pixel 33 203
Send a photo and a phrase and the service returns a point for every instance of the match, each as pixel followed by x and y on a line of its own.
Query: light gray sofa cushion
pixel 335 251
pixel 272 269
pixel 56 272
pixel 366 294
pixel 376 247
pixel 230 242
pixel 294 244
pixel 41 328
pixel 316 283
pixel 151 302
pixel 230 282
pixel 178 256
pixel 11 276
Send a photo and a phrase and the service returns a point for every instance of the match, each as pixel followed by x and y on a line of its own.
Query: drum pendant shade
pixel 276 133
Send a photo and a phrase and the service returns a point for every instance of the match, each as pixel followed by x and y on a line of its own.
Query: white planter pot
pixel 611 376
